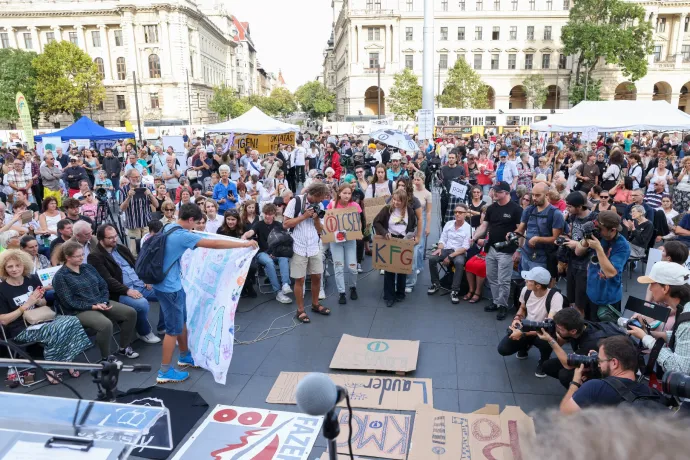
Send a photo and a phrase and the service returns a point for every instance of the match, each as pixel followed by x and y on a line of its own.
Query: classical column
pixel 164 47
pixel 131 52
pixel 34 38
pixel 679 41
pixel 57 30
pixel 12 36
pixel 105 44
pixel 81 37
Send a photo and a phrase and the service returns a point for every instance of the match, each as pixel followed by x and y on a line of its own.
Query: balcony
pixel 373 70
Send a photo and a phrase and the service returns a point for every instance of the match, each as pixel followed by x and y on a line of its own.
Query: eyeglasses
pixel 604 197
pixel 460 212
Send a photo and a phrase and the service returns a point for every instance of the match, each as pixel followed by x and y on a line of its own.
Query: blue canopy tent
pixel 84 128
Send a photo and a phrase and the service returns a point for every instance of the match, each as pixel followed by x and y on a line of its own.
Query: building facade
pixel 177 49
pixel 503 40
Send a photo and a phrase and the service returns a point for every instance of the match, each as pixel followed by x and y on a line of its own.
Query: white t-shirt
pixel 536 306
pixel 298 156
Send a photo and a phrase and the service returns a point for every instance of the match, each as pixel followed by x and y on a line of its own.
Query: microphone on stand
pixel 316 394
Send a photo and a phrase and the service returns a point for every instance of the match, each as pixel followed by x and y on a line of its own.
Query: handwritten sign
pixel 375 434
pixel 264 143
pixel 238 432
pixel 397 393
pixel 394 255
pixel 484 434
pixel 362 353
pixel 372 207
pixel 213 280
pixel 458 190
pixel 343 224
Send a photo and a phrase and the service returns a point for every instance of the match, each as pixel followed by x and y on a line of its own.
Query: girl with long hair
pixel 248 213
pixel 344 253
pixel 380 185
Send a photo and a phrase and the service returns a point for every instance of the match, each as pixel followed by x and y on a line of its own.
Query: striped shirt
pixel 304 235
pixel 138 213
pixel 19 180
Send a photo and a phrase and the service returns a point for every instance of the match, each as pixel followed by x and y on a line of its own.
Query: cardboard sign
pixel 458 190
pixel 343 224
pixel 361 353
pixel 367 392
pixel 483 434
pixel 231 432
pixel 325 456
pixel 394 255
pixel 264 143
pixel 372 207
pixel 375 434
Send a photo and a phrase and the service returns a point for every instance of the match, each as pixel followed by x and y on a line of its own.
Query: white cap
pixel 538 274
pixel 396 156
pixel 668 273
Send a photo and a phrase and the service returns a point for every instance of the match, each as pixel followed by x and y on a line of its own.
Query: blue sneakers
pixel 172 376
pixel 187 361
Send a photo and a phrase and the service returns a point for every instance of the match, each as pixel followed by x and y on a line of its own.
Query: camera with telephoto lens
pixel 434 165
pixel 676 384
pixel 512 239
pixel 317 210
pixel 560 240
pixel 548 325
pixel 101 194
pixel 589 230
pixel 590 361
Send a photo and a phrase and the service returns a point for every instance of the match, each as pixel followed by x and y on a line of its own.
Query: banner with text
pixel 342 224
pixel 375 434
pixel 394 255
pixel 213 280
pixel 264 143
pixel 231 432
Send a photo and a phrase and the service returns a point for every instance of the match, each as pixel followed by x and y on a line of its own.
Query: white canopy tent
pixel 609 116
pixel 253 122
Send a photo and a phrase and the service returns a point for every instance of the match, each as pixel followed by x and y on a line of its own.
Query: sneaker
pixel 322 294
pixel 408 290
pixel 359 268
pixel 186 362
pixel 433 289
pixel 160 332
pixel 419 271
pixel 381 272
pixel 286 289
pixel 539 372
pixel 491 307
pixel 172 376
pixel 502 313
pixel 353 293
pixel 150 338
pixel 522 354
pixel 455 297
pixel 128 353
pixel 389 303
pixel 282 298
pixel 342 300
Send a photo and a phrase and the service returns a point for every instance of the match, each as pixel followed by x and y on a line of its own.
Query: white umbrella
pixel 396 139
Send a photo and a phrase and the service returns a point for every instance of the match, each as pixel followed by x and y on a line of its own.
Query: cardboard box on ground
pixel 361 353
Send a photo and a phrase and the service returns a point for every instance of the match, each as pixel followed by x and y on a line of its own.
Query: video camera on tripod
pixel 101 195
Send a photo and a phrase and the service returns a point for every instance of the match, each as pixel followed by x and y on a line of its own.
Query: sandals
pixel 74 374
pixel 475 298
pixel 302 317
pixel 53 377
pixel 321 310
pixel 468 296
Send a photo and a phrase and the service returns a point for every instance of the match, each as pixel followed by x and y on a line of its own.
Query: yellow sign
pixel 25 119
pixel 264 143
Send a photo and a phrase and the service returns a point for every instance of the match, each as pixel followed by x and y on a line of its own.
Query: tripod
pixel 105 215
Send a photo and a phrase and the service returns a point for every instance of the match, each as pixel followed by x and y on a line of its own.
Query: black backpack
pixel 653 402
pixel 549 296
pixel 149 265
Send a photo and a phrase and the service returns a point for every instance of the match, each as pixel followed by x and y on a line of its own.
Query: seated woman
pixel 640 230
pixel 49 218
pixel 9 240
pixel 232 226
pixel 63 338
pixel 81 290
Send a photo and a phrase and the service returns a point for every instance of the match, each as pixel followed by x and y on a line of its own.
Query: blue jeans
pixel 343 254
pixel 142 308
pixel 173 310
pixel 270 268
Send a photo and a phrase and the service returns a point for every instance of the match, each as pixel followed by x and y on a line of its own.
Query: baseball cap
pixel 668 273
pixel 396 156
pixel 372 146
pixel 538 274
pixel 73 158
pixel 576 199
pixel 609 219
pixel 501 187
pixel 503 153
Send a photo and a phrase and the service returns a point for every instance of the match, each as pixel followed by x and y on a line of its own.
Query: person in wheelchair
pixel 260 231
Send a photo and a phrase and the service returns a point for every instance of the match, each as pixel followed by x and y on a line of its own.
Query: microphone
pixel 316 394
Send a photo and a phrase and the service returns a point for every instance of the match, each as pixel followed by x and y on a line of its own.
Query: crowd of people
pixel 532 217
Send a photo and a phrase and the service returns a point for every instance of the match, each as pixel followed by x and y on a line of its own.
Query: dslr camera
pixel 512 239
pixel 101 194
pixel 676 384
pixel 625 323
pixel 589 230
pixel 560 240
pixel 590 361
pixel 317 210
pixel 527 325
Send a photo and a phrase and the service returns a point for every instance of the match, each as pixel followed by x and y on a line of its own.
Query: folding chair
pixel 13 355
pixel 263 284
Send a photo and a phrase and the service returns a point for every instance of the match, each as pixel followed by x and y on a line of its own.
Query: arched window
pixel 100 67
pixel 154 66
pixel 121 68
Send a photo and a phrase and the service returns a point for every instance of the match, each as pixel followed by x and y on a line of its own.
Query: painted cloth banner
pixel 103 144
pixel 25 120
pixel 264 143
pixel 234 433
pixel 213 280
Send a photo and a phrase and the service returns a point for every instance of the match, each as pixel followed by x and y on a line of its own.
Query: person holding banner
pixel 344 252
pixel 397 220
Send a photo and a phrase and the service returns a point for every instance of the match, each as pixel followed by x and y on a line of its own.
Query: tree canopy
pixel 17 75
pixel 315 99
pixel 464 88
pixel 405 97
pixel 614 31
pixel 226 103
pixel 65 75
pixel 535 90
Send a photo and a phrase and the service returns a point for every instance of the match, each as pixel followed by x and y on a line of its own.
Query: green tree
pixel 405 97
pixel 464 88
pixel 614 31
pixel 226 103
pixel 17 75
pixel 536 90
pixel 65 77
pixel 284 101
pixel 577 90
pixel 315 99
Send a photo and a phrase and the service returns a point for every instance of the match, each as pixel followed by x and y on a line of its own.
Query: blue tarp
pixel 84 128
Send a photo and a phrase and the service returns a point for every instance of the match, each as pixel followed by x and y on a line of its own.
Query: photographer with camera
pixel 617 361
pixel 583 337
pixel 608 258
pixel 668 285
pixel 537 303
pixel 501 220
pixel 541 223
pixel 576 273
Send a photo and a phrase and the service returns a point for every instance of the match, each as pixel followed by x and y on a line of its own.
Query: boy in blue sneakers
pixel 172 297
